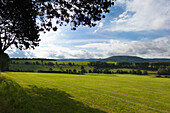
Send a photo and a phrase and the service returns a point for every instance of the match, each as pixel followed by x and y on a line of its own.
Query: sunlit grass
pixel 93 92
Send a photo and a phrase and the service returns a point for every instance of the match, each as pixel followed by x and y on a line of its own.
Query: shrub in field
pixel 70 71
pixel 145 72
pixel 90 71
pixel 139 72
pixel 164 72
pixel 74 71
pixel 50 69
pixel 50 64
pixel 82 71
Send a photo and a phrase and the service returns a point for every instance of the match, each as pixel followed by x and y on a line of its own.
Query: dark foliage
pixel 18 24
pixel 164 71
pixel 142 65
pixel 22 20
pixel 50 64
pixel 4 61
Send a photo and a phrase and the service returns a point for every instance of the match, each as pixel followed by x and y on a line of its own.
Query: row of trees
pixel 42 63
pixel 138 72
pixel 105 71
pixel 142 65
pixel 164 71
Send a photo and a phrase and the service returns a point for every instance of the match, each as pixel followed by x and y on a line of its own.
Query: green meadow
pixel 90 93
pixel 58 65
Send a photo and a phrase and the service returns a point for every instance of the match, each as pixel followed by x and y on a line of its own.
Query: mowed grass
pixel 66 93
pixel 46 61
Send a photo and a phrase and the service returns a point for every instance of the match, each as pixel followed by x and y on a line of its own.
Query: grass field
pixel 61 65
pixel 90 93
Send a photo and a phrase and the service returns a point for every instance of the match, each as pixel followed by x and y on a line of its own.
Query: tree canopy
pixel 22 20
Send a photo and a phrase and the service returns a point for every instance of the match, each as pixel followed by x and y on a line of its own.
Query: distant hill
pixel 110 59
pixel 83 60
pixel 159 60
pixel 134 59
pixel 125 59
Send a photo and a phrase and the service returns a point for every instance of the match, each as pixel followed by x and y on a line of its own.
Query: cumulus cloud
pixel 138 16
pixel 142 15
pixel 157 48
pixel 53 45
pixel 16 53
pixel 55 52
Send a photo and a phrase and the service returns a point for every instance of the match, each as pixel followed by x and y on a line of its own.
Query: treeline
pixel 162 68
pixel 164 71
pixel 42 63
pixel 142 65
pixel 33 59
pixel 83 71
pixel 18 70
pixel 107 71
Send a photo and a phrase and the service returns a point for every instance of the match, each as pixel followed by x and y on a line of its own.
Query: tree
pixel 22 20
pixel 82 67
pixel 70 64
pixel 37 63
pixel 82 71
pixel 50 69
pixel 90 71
pixel 50 64
pixel 106 71
pixel 164 70
pixel 70 71
pixel 139 72
pixel 4 61
pixel 18 25
pixel 145 72
pixel 42 62
pixel 168 70
pixel 74 71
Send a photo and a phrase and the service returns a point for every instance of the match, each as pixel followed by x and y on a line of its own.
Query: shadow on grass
pixel 15 99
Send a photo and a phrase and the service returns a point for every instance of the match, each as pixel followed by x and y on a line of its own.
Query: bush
pixel 50 64
pixel 145 72
pixel 164 71
pixel 139 72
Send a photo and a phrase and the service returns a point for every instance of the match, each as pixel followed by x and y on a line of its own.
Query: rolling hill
pixel 134 59
pixel 125 59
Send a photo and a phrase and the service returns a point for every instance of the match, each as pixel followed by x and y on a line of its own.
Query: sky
pixel 132 28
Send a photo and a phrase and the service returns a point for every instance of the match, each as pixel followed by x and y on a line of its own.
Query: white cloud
pixel 53 45
pixel 51 37
pixel 77 41
pixel 157 48
pixel 142 15
pixel 100 25
pixel 62 52
pixel 53 51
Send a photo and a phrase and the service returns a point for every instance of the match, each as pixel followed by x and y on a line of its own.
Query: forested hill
pixel 125 59
pixel 134 59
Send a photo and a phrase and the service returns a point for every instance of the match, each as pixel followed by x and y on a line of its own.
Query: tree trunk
pixel 1 51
